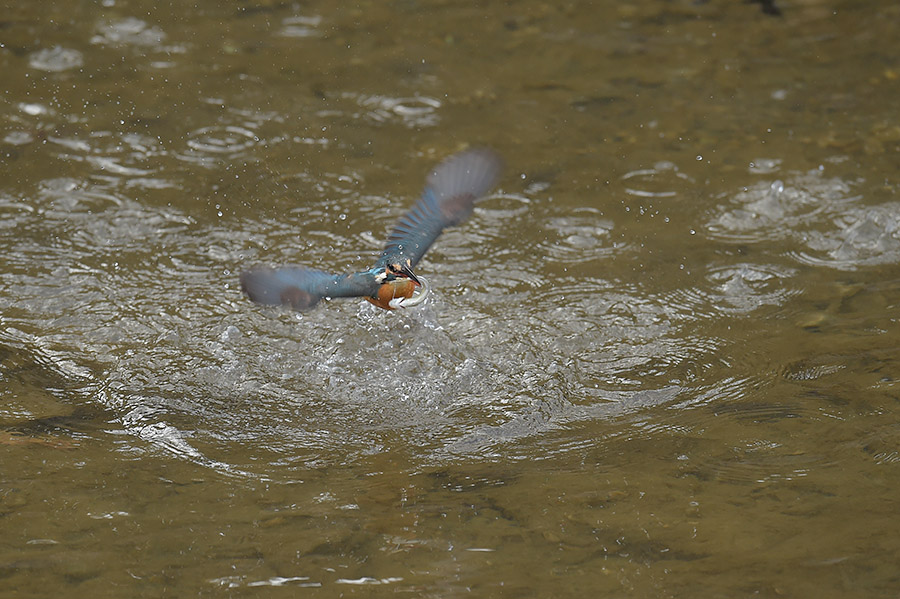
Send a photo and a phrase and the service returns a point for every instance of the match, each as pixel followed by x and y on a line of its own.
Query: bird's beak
pixel 407 271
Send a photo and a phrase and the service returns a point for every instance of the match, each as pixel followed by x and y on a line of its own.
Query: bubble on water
pixel 231 333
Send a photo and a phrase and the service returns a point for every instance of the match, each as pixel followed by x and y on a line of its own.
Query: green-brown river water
pixel 660 360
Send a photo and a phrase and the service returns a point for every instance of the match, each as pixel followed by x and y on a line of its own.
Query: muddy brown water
pixel 659 361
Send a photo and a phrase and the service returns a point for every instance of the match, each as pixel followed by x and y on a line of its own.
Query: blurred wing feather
pixel 451 191
pixel 301 287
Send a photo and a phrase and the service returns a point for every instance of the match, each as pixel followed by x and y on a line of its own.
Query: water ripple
pixel 778 210
pixel 579 236
pixel 662 181
pixel 818 219
pixel 490 359
pixel 761 447
pixel 56 59
pixel 128 31
pixel 221 139
pixel 734 289
pixel 301 26
pixel 413 112
pixel 861 236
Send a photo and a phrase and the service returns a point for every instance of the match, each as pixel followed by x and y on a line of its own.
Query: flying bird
pixel 451 190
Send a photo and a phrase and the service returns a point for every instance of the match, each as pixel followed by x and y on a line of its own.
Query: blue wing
pixel 301 287
pixel 451 191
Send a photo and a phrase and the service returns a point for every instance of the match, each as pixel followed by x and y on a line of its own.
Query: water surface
pixel 659 360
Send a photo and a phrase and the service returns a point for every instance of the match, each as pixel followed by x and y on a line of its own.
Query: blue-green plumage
pixel 450 193
pixel 451 190
pixel 301 288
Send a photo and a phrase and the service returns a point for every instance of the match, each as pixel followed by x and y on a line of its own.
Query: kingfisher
pixel 451 190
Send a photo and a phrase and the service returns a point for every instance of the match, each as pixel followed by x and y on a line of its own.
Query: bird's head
pixel 395 271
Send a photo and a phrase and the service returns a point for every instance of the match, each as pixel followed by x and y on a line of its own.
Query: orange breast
pixel 392 290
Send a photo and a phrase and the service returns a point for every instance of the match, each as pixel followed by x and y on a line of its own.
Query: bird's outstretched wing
pixel 301 287
pixel 451 191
